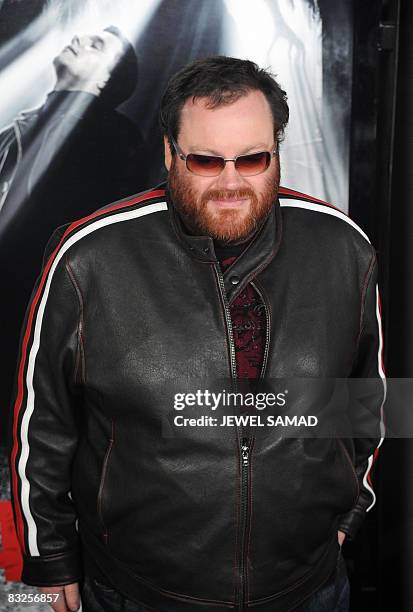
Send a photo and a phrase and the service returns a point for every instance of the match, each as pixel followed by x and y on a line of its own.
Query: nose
pixel 80 40
pixel 230 178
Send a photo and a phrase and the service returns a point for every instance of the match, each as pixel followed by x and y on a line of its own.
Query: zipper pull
pixel 245 451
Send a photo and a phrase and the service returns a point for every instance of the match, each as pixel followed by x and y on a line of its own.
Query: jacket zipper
pixel 228 321
pixel 245 447
pixel 244 516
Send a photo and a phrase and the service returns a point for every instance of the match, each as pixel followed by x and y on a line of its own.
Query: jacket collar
pixel 256 256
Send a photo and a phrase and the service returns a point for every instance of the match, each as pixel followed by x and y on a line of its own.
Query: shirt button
pixel 234 280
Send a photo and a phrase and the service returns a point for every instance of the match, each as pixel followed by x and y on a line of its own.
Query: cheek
pixel 257 184
pixel 185 181
pixel 196 184
pixel 268 179
pixel 203 186
pixel 84 65
pixel 93 67
pixel 111 60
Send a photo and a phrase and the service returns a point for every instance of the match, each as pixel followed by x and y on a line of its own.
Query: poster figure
pixel 75 131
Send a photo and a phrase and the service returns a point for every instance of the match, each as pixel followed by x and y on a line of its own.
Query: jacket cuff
pixel 351 522
pixel 52 570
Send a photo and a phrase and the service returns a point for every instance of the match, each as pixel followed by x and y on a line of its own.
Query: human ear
pixel 167 153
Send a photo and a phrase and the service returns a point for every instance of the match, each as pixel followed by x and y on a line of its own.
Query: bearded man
pixel 223 275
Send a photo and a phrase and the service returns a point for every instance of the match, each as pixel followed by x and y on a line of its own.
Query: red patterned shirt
pixel 249 328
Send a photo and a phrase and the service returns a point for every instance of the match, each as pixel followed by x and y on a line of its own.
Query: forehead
pixel 110 40
pixel 244 122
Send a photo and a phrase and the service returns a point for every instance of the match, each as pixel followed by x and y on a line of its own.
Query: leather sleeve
pixel 367 395
pixel 45 426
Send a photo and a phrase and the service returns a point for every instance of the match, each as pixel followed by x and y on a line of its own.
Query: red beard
pixel 223 225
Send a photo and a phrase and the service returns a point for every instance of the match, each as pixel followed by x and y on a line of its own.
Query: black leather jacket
pixel 130 307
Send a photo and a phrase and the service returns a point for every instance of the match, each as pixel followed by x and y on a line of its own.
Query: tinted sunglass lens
pixel 204 165
pixel 248 165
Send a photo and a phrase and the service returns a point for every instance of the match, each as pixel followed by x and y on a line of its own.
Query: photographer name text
pixel 253 420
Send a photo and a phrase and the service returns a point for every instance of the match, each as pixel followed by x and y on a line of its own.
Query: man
pixel 224 275
pixel 62 161
pixel 94 74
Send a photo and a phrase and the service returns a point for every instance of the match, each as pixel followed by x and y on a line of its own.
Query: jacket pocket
pixel 351 470
pixel 102 484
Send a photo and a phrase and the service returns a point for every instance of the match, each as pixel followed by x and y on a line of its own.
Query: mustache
pixel 228 194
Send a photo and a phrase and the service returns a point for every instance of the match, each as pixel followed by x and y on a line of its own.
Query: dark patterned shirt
pixel 249 327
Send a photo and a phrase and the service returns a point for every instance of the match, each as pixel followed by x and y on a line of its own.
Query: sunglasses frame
pixel 184 158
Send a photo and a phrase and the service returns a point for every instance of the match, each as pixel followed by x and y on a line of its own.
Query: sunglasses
pixel 213 165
